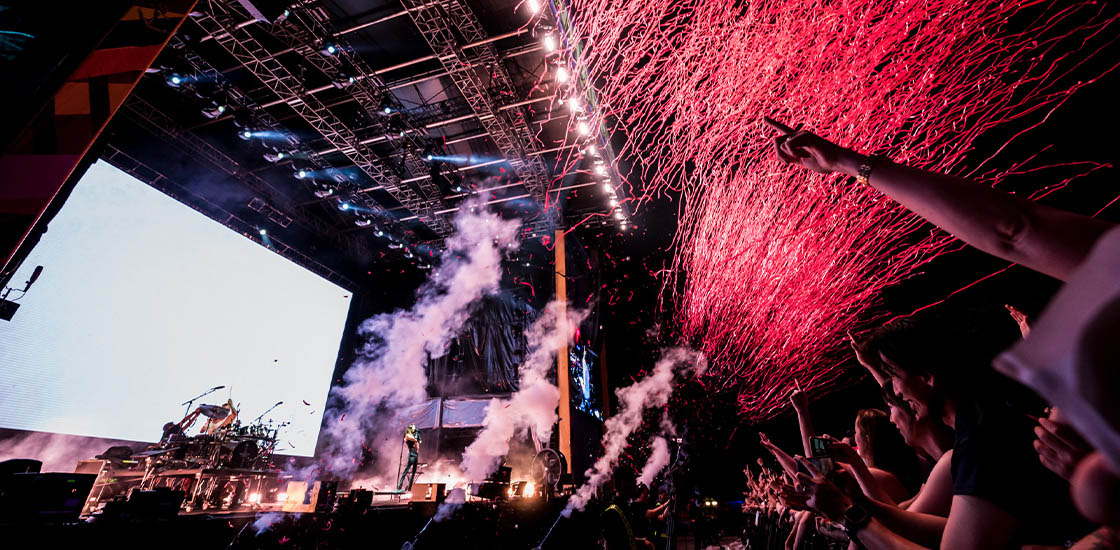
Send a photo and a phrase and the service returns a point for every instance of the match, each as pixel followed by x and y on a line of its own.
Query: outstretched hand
pixel 812 151
pixel 821 495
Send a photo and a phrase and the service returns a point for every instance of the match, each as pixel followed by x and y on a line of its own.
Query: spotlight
pixel 344 206
pixel 214 111
pixel 549 43
pixel 608 187
pixel 618 214
pixel 323 191
pixel 574 106
pixel 622 226
pixel 561 74
pixel 263 232
pixel 601 170
pixel 302 174
pixel 592 149
pixel 583 128
pixel 276 157
pixel 407 253
pixel 430 157
pixel 379 233
pixel 387 110
pixel 534 6
pixel 613 201
pixel 330 49
pixel 362 221
pixel 246 135
pixel 174 80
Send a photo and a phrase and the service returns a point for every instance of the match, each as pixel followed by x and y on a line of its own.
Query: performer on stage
pixel 412 439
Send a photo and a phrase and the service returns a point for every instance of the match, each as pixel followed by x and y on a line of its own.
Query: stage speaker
pixel 20 466
pixel 159 503
pixel 428 492
pixel 489 490
pixel 310 497
pixel 52 497
pixel 501 475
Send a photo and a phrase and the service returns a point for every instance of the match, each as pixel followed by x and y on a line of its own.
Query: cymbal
pixel 217 412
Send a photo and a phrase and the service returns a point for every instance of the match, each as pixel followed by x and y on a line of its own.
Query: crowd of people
pixel 995 431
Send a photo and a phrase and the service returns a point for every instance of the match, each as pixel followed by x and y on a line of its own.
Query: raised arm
pixel 800 402
pixel 788 463
pixel 1037 236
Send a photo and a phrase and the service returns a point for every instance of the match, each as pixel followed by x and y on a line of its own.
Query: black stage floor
pixel 516 525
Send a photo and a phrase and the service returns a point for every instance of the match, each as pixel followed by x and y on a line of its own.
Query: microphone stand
pixel 278 403
pixel 191 401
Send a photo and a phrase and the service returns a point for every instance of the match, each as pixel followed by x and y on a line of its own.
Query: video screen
pixel 144 303
pixel 582 363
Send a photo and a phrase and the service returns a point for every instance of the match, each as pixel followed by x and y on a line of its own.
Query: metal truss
pixel 442 24
pixel 155 178
pixel 263 120
pixel 220 20
pixel 307 31
pixel 157 123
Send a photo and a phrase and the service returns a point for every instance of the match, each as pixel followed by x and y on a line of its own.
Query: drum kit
pixel 225 468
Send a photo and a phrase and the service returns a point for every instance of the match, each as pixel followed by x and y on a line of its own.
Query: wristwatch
pixel 856 517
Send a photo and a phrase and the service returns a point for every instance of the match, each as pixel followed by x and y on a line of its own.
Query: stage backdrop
pixel 144 303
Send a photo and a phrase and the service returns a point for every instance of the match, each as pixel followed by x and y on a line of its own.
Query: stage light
pixel 583 128
pixel 534 6
pixel 330 49
pixel 246 134
pixel 573 105
pixel 362 221
pixel 530 489
pixel 323 191
pixel 561 74
pixel 214 111
pixel 549 43
pixel 592 149
pixel 618 214
pixel 263 232
pixel 344 206
pixel 608 187
pixel 379 233
pixel 301 174
pixel 407 253
pixel 613 201
pixel 429 157
pixel 622 226
pixel 601 170
pixel 174 80
pixel 387 110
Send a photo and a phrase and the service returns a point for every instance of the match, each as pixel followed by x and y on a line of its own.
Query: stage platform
pixel 516 525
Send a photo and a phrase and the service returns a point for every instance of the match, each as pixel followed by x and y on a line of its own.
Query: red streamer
pixel 778 263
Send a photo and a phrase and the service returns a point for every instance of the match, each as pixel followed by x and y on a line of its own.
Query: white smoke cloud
pixel 58 452
pixel 455 498
pixel 659 452
pixel 390 374
pixel 658 459
pixel 652 391
pixel 534 403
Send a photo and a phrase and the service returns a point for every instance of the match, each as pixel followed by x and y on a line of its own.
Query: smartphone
pixel 820 447
pixel 823 464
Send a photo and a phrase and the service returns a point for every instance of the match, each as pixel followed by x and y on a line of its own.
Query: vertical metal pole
pixel 562 382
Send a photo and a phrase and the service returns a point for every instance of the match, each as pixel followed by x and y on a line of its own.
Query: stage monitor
pixel 144 303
